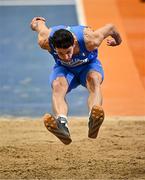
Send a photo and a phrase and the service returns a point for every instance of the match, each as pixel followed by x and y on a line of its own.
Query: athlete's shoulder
pixel 57 27
pixel 78 27
pixel 67 27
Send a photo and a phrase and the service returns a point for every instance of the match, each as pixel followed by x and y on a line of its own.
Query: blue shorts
pixel 76 76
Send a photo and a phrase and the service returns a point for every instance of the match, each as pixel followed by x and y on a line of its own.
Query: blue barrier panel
pixel 24 67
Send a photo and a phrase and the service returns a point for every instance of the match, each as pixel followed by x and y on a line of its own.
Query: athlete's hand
pixel 111 42
pixel 34 22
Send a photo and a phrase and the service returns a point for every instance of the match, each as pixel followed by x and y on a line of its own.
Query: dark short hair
pixel 62 38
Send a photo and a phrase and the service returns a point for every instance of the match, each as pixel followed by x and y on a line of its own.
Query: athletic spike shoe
pixel 58 127
pixel 95 121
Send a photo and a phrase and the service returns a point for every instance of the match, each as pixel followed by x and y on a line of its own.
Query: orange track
pixel 124 66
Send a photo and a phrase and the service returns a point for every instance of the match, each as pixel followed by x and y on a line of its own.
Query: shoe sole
pixel 97 118
pixel 51 125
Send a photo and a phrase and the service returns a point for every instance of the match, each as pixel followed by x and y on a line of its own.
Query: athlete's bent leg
pixel 93 83
pixel 59 90
pixel 58 125
pixel 96 118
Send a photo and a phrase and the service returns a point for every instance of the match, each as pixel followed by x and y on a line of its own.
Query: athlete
pixel 75 51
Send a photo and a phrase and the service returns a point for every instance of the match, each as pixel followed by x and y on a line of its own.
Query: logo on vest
pixel 75 62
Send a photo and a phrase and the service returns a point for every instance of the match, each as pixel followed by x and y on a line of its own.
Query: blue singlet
pixel 77 69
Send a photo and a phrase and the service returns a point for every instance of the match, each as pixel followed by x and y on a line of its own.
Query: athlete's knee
pixel 60 85
pixel 94 80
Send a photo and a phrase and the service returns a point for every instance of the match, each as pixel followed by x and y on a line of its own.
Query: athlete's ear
pixel 75 40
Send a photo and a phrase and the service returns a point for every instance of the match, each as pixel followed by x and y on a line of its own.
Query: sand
pixel 29 151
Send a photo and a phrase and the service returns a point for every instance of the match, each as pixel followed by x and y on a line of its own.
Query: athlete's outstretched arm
pixel 96 37
pixel 38 24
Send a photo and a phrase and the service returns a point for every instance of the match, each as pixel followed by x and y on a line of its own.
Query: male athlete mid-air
pixel 75 51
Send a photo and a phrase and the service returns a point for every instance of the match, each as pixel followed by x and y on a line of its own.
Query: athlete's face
pixel 65 54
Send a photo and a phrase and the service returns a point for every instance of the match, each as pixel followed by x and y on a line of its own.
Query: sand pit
pixel 29 151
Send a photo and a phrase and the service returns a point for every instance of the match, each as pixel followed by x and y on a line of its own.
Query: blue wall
pixel 25 68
